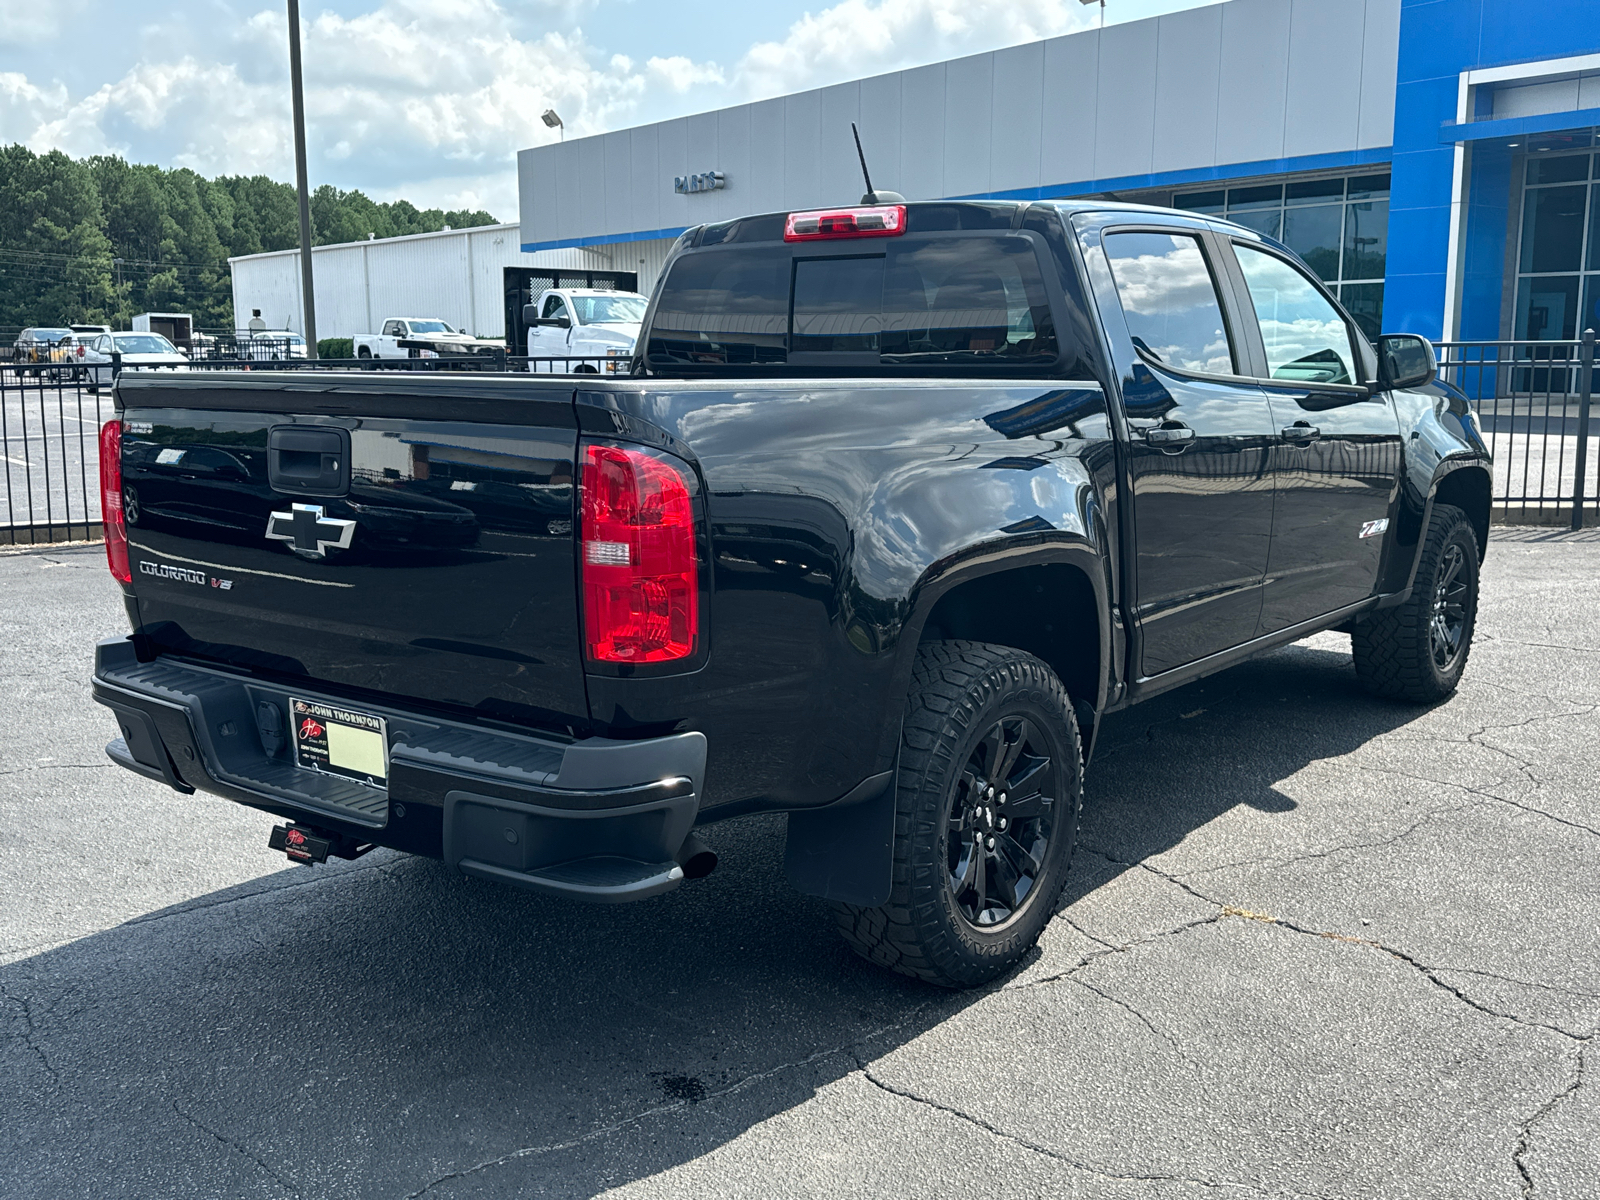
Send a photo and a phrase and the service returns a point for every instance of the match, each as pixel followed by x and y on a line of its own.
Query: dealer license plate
pixel 340 741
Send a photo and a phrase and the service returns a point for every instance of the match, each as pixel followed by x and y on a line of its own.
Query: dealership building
pixel 1430 159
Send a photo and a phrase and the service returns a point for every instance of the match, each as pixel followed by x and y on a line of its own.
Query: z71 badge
pixel 1374 528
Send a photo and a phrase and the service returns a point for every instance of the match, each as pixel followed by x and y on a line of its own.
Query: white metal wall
pixel 455 275
pixel 1247 81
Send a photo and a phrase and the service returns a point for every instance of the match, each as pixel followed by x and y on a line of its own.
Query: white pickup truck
pixel 585 323
pixel 418 337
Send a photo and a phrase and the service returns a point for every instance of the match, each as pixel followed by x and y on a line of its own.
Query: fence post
pixel 1585 389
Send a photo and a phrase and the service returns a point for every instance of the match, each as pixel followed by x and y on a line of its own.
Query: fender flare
pixel 995 558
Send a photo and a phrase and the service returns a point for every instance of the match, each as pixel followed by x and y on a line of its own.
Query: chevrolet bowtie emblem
pixel 308 532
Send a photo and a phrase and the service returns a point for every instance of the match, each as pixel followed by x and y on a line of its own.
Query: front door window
pixel 1306 338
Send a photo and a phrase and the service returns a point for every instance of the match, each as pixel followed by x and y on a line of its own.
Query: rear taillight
pixel 111 500
pixel 641 575
pixel 884 220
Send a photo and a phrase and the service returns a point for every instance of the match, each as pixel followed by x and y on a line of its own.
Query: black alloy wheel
pixel 1000 821
pixel 987 795
pixel 1417 650
pixel 1450 599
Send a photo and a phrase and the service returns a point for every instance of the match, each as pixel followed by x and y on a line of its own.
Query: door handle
pixel 1168 435
pixel 1300 431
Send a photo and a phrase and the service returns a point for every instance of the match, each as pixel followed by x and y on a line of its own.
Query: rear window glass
pixel 919 301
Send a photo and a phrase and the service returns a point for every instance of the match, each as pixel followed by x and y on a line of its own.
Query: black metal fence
pixel 1533 402
pixel 49 456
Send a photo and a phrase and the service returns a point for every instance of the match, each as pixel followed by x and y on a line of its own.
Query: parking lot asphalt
pixel 1313 945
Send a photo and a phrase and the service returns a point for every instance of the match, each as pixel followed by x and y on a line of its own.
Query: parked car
pixel 418 337
pixel 902 503
pixel 36 344
pixel 71 357
pixel 567 323
pixel 136 349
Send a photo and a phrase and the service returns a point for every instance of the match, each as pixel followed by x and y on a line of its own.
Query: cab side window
pixel 391 329
pixel 1306 338
pixel 1169 297
pixel 554 307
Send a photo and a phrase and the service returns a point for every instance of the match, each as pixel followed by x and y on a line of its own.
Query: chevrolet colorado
pixel 897 505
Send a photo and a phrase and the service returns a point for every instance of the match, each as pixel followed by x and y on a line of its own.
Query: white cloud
pixel 858 37
pixel 427 99
pixel 680 73
pixel 26 22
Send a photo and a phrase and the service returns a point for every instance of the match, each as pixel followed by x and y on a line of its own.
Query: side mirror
pixel 530 314
pixel 563 322
pixel 1406 360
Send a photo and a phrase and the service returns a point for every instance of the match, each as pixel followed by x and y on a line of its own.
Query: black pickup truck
pixel 899 502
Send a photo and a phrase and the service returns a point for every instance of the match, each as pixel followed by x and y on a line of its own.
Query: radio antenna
pixel 872 197
pixel 862 156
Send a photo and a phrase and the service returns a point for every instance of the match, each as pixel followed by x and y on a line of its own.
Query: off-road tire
pixel 1394 648
pixel 959 690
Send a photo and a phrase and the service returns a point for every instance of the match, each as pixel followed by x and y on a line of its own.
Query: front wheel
pixel 987 800
pixel 1417 651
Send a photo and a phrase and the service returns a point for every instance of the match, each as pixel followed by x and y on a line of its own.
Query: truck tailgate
pixel 435 561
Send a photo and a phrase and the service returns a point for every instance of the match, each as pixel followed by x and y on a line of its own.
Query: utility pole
pixel 309 302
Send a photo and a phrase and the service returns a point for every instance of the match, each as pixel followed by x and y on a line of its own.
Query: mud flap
pixel 845 851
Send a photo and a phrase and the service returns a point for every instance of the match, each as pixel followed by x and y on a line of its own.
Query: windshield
pixel 619 309
pixel 430 327
pixel 142 343
pixel 51 335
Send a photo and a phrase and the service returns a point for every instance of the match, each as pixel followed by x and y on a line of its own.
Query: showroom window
pixel 1339 226
pixel 1558 251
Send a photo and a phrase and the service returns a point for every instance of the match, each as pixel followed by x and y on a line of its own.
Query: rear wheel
pixel 1417 651
pixel 987 802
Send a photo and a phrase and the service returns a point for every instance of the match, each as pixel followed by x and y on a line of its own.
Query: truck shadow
pixel 390 1029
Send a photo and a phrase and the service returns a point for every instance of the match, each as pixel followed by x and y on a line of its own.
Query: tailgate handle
pixel 309 460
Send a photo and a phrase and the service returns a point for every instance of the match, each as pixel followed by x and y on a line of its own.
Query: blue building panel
pixel 1440 42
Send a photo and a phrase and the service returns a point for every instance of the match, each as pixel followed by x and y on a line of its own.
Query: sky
pixel 429 100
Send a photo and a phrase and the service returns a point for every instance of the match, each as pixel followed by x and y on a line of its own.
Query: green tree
pixel 63 222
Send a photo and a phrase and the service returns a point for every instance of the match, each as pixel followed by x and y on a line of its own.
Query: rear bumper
pixel 593 819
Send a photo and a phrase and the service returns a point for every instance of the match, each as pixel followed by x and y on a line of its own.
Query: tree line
pixel 64 222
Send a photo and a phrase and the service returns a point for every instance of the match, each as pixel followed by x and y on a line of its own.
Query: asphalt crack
pixel 1177 1048
pixel 1430 973
pixel 1525 1130
pixel 236 1148
pixel 1351 847
pixel 846 1050
pixel 1076 1164
pixel 30 1033
pixel 58 767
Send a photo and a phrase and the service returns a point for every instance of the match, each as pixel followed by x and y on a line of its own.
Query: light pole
pixel 552 121
pixel 1102 4
pixel 309 303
